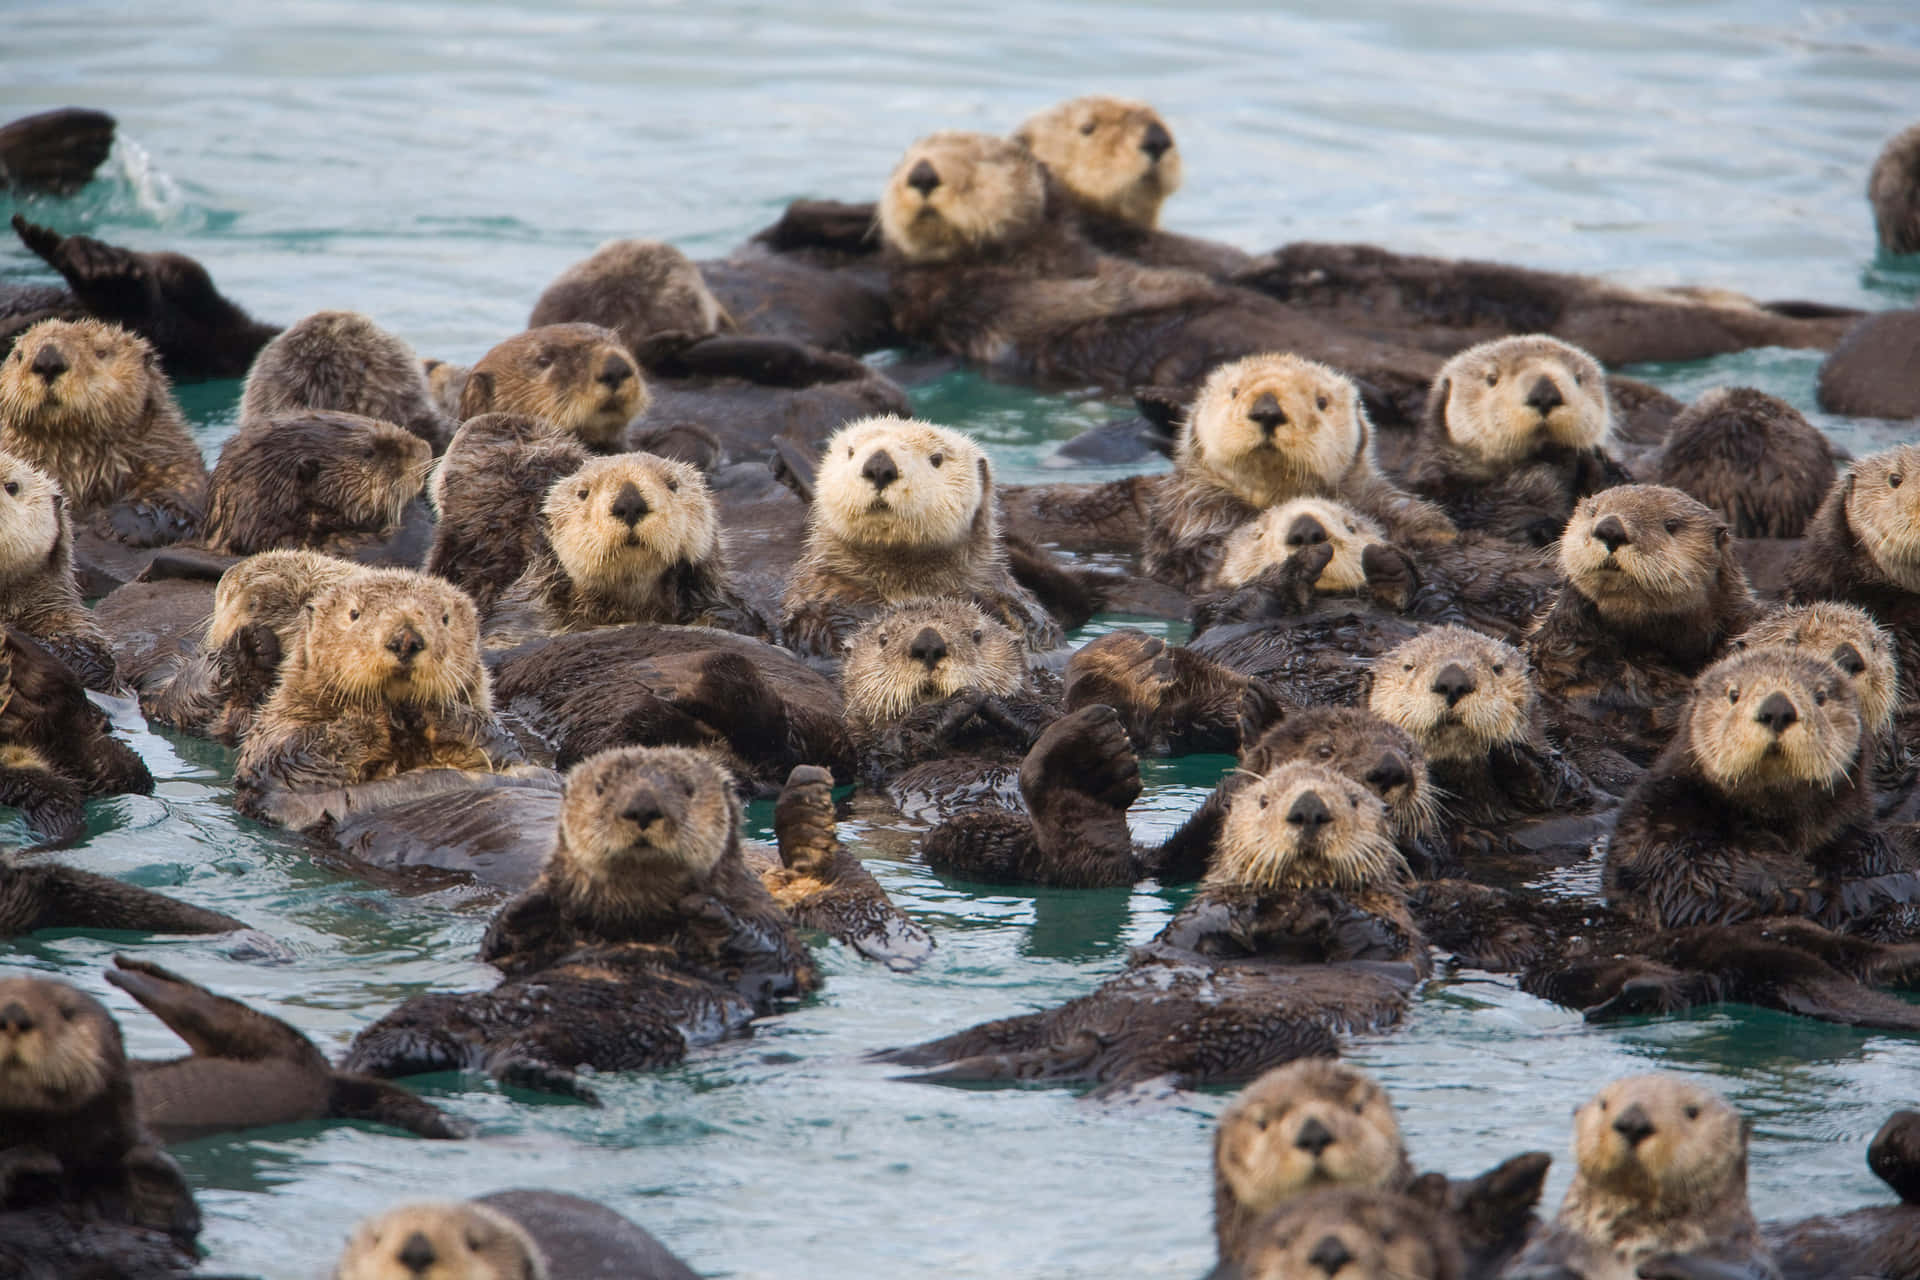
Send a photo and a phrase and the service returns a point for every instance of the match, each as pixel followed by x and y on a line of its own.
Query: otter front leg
pixel 1078 782
pixel 1284 590
pixel 922 734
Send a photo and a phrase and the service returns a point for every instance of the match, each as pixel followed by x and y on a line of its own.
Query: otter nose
pixel 1391 772
pixel 1309 812
pixel 928 648
pixel 1313 1137
pixel 1330 1255
pixel 1776 714
pixel 923 178
pixel 1453 683
pixel 615 371
pixel 1848 659
pixel 629 505
pixel 880 469
pixel 49 363
pixel 1545 396
pixel 1156 141
pixel 1612 532
pixel 417 1254
pixel 405 644
pixel 1266 411
pixel 1634 1125
pixel 1306 532
pixel 644 806
pixel 16 1018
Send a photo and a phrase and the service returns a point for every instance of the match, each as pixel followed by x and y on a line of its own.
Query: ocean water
pixel 435 164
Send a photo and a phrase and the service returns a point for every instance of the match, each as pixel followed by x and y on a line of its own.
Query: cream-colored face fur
pixel 1380 756
pixel 899 482
pixel 1773 717
pixel 1276 533
pixel 1883 510
pixel 954 194
pixel 1115 155
pixel 925 651
pixel 1312 1123
pixel 635 819
pixel 1509 398
pixel 1845 635
pixel 440 1242
pixel 272 589
pixel 1662 1143
pixel 29 518
pixel 1642 550
pixel 579 377
pixel 393 635
pixel 1303 826
pixel 1275 427
pixel 1457 692
pixel 72 378
pixel 618 523
pixel 1371 1235
pixel 58 1046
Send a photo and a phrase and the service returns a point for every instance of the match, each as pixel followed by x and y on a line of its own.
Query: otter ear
pixel 1722 536
pixel 1434 422
pixel 477 397
pixel 986 476
pixel 307 470
pixel 430 364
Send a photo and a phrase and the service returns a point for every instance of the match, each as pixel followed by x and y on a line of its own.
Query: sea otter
pixel 55 746
pixel 1350 1234
pixel 54 152
pixel 1893 189
pixel 578 378
pixel 344 362
pixel 1871 372
pixel 38 594
pixel 1751 457
pixel 1863 547
pixel 36 895
pixel 507 1235
pixel 1269 538
pixel 1171 700
pixel 488 489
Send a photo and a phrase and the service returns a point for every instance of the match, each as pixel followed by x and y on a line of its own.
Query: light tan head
pixel 59 1047
pixel 296 478
pixel 342 360
pixel 1274 427
pixel 33 520
pixel 1773 718
pixel 579 377
pixel 1380 756
pixel 1347 1234
pixel 1506 401
pixel 1893 189
pixel 1459 692
pixel 923 651
pixel 1641 551
pixel 272 589
pixel 619 522
pixel 446 1241
pixel 1304 826
pixel 640 827
pixel 1661 1144
pixel 73 379
pixel 1277 532
pixel 1845 635
pixel 1111 154
pixel 954 195
pixel 900 482
pixel 391 636
pixel 1883 510
pixel 637 288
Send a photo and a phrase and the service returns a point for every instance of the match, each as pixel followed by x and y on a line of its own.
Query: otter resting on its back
pixel 1352 1234
pixel 577 378
pixel 38 594
pixel 344 362
pixel 506 1235
pixel 56 748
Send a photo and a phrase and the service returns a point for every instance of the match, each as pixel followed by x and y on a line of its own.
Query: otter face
pixel 1661 1142
pixel 373 471
pixel 1278 532
pixel 620 522
pixel 1507 400
pixel 924 651
pixel 1883 510
pixel 1642 550
pixel 954 194
pixel 1312 1123
pixel 1379 756
pixel 637 288
pixel 1773 717
pixel 1352 1235
pixel 67 378
pixel 440 1242
pixel 30 518
pixel 1845 635
pixel 271 589
pixel 1304 826
pixel 1113 155
pixel 899 482
pixel 1458 692
pixel 1271 428
pixel 393 635
pixel 579 377
pixel 636 822
pixel 59 1047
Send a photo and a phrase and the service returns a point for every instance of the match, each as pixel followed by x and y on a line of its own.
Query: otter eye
pixel 1693 1113
pixel 1493 379
pixel 1263 802
pixel 1577 380
pixel 883 638
pixel 673 486
pixel 353 615
pixel 849 451
pixel 581 493
pixel 1409 666
pixel 446 619
pixel 1324 751
pixel 1088 127
pixel 978 636
pixel 1320 401
pixel 13 489
pixel 1733 693
pixel 936 459
pixel 1820 698
pixel 544 359
pixel 1673 526
pixel 1359 1108
pixel 1893 479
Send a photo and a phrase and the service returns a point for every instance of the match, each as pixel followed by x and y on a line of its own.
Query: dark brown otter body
pixel 46 895
pixel 1751 457
pixel 489 488
pixel 1871 373
pixel 55 746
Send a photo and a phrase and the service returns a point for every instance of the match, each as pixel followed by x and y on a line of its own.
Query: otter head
pixel 1269 428
pixel 1277 532
pixel 1753 458
pixel 271 589
pixel 638 289
pixel 1310 1124
pixel 73 379
pixel 1303 826
pixel 618 523
pixel 33 522
pixel 1348 1234
pixel 1773 718
pixel 1114 156
pixel 642 826
pixel 899 482
pixel 579 377
pixel 1664 1145
pixel 1893 189
pixel 922 651
pixel 59 1047
pixel 447 384
pixel 1509 400
pixel 954 195
pixel 1883 510
pixel 1380 756
pixel 440 1242
pixel 342 360
pixel 1845 635
pixel 1642 551
pixel 1458 692
pixel 309 474
pixel 393 636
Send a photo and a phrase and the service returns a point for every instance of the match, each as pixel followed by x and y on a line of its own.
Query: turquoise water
pixel 435 164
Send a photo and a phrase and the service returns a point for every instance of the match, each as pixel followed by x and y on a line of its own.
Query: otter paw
pixel 1088 753
pixel 1128 670
pixel 803 820
pixel 1392 577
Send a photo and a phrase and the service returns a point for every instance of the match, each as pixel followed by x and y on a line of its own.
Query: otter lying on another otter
pixel 508 1235
pixel 343 362
pixel 38 594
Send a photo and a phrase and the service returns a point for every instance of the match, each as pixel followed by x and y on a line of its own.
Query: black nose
pixel 1633 1125
pixel 644 808
pixel 1313 1137
pixel 417 1254
pixel 629 505
pixel 928 648
pixel 880 469
pixel 1330 1255
pixel 49 363
pixel 1453 683
pixel 1267 412
pixel 615 371
pixel 16 1018
pixel 1848 659
pixel 1156 141
pixel 923 178
pixel 1391 772
pixel 1612 532
pixel 1306 532
pixel 1545 396
pixel 405 644
pixel 1776 713
pixel 1309 812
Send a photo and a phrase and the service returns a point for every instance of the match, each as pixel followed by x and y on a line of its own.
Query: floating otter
pixel 488 489
pixel 903 510
pixel 344 362
pixel 1276 533
pixel 38 594
pixel 575 377
pixel 636 288
pixel 508 1235
pixel 1874 1241
pixel 54 152
pixel 1661 1180
pixel 1893 188
pixel 55 746
pixel 1871 372
pixel 47 895
pixel 1349 1234
pixel 1752 458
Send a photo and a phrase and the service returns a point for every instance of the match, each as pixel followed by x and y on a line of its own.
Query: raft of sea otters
pixel 1466 607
